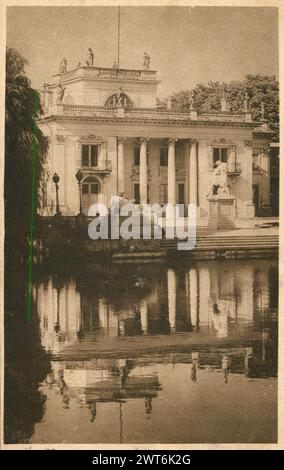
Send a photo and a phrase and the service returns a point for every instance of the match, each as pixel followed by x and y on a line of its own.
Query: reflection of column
pixel 193 289
pixel 187 299
pixel 171 172
pixel 144 316
pixel 248 358
pixel 172 294
pixel 121 328
pixel 113 323
pixel 102 310
pixel 47 309
pixel 194 362
pixel 193 198
pixel 225 367
pixel 143 172
pixel 264 291
pixel 245 302
pixel 71 303
pixel 120 166
pixel 265 338
pixel 204 289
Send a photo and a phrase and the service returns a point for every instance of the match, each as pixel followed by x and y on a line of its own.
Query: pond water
pixel 149 353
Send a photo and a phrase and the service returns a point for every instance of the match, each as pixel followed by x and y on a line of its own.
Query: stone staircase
pixel 228 245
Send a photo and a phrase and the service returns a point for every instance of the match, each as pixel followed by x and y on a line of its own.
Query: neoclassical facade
pixel 106 123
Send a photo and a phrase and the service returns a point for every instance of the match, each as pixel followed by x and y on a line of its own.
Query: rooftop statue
pixel 190 100
pixel 90 57
pixel 224 105
pixel 219 184
pixel 63 65
pixel 146 62
pixel 115 65
pixel 120 97
pixel 262 111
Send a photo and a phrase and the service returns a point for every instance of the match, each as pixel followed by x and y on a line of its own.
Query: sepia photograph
pixel 141 211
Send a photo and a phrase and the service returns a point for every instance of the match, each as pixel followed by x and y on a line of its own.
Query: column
pixel 245 191
pixel 193 197
pixel 171 172
pixel 120 166
pixel 143 171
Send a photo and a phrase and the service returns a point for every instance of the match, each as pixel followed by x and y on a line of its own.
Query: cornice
pixel 149 121
pixel 102 79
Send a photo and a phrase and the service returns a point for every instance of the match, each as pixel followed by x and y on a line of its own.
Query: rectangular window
pixel 85 155
pixel 136 155
pixel 164 156
pixel 136 193
pixel 220 154
pixel 94 155
pixel 90 155
pixel 163 194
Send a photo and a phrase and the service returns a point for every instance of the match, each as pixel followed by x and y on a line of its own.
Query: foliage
pixel 19 138
pixel 260 89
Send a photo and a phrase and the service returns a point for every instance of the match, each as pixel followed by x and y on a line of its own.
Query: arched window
pixel 112 101
pixel 90 185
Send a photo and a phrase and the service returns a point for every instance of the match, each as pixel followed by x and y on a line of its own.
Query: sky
pixel 187 45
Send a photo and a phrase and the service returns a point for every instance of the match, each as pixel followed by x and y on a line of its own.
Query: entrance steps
pixel 232 242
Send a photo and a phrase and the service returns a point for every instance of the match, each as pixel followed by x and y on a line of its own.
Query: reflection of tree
pixel 26 363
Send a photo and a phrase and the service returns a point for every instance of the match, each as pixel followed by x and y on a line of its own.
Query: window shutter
pixel 94 155
pixel 85 155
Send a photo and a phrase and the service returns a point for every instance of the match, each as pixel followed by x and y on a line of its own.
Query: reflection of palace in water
pixel 218 300
pixel 183 311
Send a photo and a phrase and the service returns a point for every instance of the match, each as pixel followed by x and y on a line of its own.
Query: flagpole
pixel 118 35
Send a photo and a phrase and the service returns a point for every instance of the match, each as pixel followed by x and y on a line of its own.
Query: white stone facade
pixel 108 126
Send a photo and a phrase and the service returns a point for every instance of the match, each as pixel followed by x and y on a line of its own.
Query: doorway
pixel 90 193
pixel 181 198
pixel 256 199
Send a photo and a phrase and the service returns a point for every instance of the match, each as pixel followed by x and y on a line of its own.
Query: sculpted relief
pixel 219 182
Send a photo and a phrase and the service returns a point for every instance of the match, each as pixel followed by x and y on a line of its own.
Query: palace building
pixel 106 123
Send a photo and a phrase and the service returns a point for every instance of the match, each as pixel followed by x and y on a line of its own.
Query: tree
pixel 24 403
pixel 19 137
pixel 260 89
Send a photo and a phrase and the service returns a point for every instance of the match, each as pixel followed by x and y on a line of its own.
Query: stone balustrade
pixel 222 116
pixel 234 168
pixel 106 72
pixel 147 113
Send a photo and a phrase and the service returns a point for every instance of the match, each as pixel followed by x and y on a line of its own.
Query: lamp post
pixel 79 177
pixel 56 179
